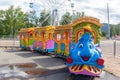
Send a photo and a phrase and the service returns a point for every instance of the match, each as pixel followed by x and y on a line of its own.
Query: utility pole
pixel 108 35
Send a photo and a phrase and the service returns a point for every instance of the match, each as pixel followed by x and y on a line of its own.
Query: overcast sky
pixel 95 8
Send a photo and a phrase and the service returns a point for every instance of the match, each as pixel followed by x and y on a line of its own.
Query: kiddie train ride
pixel 78 43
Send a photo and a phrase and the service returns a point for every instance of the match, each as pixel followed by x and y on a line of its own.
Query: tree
pixel 66 18
pixel 44 18
pixel 118 29
pixel 2 22
pixel 12 20
pixel 103 34
pixel 112 31
pixel 78 15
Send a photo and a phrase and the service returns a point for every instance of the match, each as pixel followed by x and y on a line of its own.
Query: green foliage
pixel 117 29
pixel 103 34
pixel 114 30
pixel 12 20
pixel 78 15
pixel 44 18
pixel 66 18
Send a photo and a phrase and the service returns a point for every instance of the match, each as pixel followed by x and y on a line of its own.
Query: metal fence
pixel 117 48
pixel 9 41
pixel 111 47
pixel 8 37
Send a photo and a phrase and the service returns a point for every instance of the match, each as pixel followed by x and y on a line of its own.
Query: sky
pixel 95 8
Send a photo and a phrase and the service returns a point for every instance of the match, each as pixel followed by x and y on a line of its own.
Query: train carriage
pixel 31 38
pixel 63 38
pixel 26 38
pixel 44 40
pixel 22 35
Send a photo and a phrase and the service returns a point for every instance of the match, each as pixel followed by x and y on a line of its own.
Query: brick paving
pixel 112 64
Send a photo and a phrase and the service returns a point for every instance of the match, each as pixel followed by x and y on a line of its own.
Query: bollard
pixel 114 47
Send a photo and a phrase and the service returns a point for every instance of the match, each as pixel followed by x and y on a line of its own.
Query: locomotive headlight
pixel 69 60
pixel 100 61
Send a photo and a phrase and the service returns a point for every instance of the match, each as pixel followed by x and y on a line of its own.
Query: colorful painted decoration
pixel 85 58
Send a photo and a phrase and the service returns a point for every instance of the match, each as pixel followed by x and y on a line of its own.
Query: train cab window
pixel 80 34
pixel 92 37
pixel 58 36
pixel 31 35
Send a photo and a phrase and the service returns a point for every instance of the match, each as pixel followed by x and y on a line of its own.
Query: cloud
pixel 98 8
pixel 95 8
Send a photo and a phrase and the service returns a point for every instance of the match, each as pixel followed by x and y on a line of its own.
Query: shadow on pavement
pixel 15 50
pixel 28 54
pixel 49 62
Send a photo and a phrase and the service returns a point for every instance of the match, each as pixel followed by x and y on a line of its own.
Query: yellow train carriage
pixel 26 37
pixel 23 38
pixel 63 38
pixel 44 40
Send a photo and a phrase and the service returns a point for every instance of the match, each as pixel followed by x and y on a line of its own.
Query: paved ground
pixel 112 64
pixel 107 47
pixel 48 68
pixel 54 67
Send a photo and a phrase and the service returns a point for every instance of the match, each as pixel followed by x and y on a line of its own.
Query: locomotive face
pixel 85 58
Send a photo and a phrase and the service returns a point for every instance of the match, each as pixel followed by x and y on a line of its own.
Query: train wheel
pixel 43 53
pixel 56 55
pixel 71 77
pixel 68 79
pixel 79 77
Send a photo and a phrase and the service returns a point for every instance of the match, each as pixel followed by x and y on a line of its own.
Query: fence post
pixel 114 47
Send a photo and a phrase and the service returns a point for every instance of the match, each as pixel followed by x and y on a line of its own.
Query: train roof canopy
pixel 23 30
pixel 87 19
pixel 63 27
pixel 44 28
